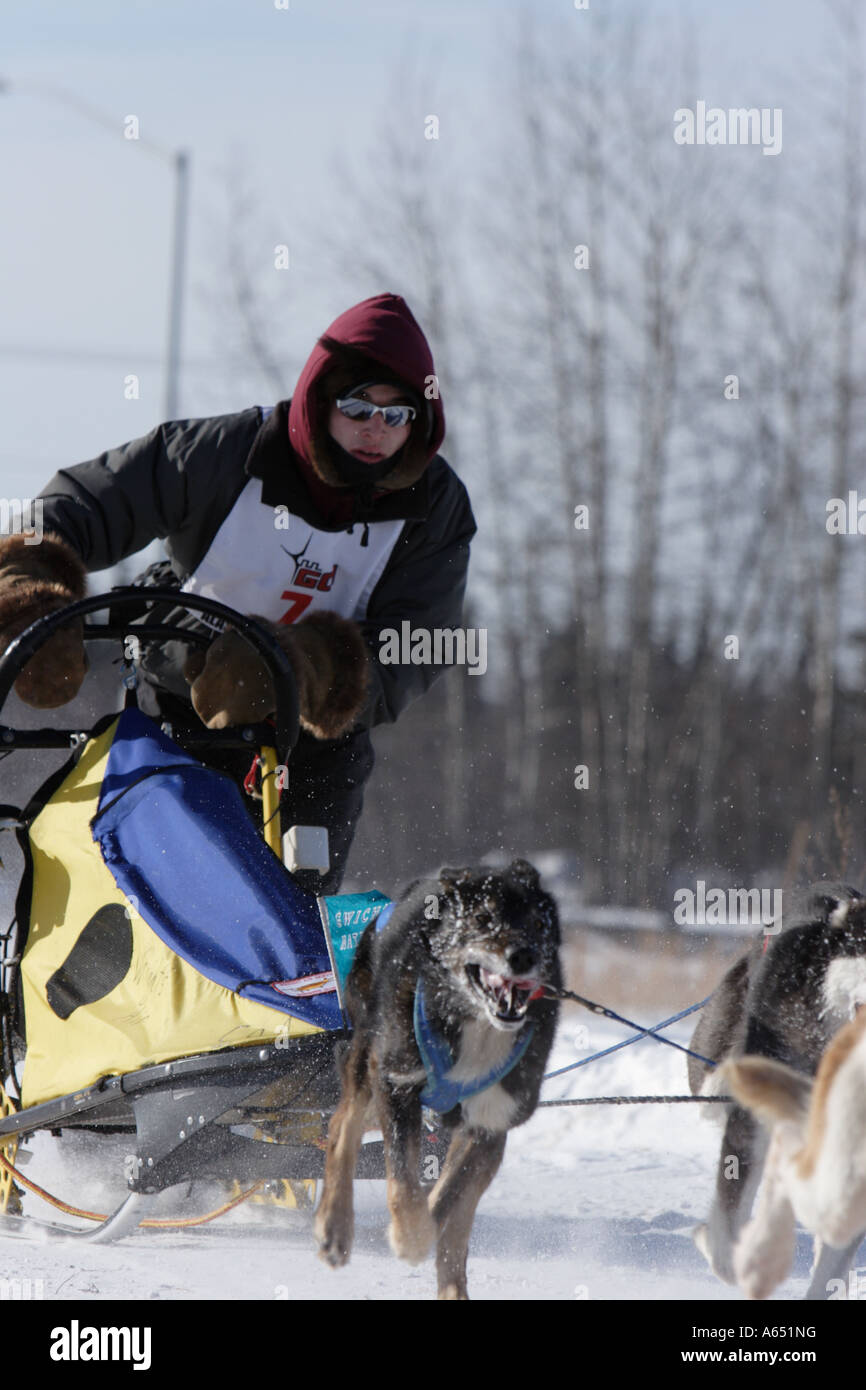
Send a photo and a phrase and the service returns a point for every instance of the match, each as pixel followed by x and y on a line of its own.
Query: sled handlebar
pixel 25 646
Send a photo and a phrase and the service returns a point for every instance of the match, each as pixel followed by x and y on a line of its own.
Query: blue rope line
pixel 644 1033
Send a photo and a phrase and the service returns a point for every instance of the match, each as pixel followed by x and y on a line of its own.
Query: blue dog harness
pixel 440 1093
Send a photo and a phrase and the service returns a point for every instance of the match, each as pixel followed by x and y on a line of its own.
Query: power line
pixel 32 352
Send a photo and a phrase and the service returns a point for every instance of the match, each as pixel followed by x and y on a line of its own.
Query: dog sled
pixel 165 978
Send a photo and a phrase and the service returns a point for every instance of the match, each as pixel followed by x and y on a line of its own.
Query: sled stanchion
pixel 8 1151
pixel 271 829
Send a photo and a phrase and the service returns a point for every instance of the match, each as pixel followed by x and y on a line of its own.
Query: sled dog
pixel 785 999
pixel 448 1009
pixel 816 1164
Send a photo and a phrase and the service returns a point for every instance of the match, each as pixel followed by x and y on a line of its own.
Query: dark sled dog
pixel 785 999
pixel 448 1009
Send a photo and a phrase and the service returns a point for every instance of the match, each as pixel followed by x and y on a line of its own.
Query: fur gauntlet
pixel 330 661
pixel 36 580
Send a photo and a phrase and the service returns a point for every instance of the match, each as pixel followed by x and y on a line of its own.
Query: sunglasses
pixel 394 415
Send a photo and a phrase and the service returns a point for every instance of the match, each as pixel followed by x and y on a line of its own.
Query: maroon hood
pixel 382 331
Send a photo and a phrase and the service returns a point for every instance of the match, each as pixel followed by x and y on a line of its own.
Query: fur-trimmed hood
pixel 380 334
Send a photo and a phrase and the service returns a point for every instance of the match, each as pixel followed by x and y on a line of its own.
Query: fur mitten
pixel 329 657
pixel 36 580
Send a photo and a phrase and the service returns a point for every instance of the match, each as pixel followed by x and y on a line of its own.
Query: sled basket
pixel 159 922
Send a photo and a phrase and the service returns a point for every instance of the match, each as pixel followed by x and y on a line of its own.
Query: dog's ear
pixel 451 880
pixel 410 888
pixel 524 873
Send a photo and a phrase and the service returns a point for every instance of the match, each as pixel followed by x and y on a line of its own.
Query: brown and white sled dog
pixel 448 1011
pixel 815 1171
pixel 784 1000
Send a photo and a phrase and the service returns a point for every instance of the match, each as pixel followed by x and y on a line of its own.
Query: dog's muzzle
pixel 505 998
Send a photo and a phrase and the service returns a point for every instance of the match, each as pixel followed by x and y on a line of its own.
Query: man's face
pixel 370 440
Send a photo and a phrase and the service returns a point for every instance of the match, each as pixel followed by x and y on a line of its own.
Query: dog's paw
pixel 721 1266
pixel 756 1278
pixel 701 1239
pixel 334 1238
pixel 413 1234
pixel 453 1293
pixel 762 1257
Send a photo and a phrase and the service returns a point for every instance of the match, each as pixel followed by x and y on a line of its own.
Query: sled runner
pixel 165 976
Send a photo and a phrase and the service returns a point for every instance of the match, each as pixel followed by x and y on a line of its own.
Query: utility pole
pixel 179 160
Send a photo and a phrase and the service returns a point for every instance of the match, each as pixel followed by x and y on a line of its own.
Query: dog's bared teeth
pixel 508 996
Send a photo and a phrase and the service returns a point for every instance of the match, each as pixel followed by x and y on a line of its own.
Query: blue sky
pixel 85 234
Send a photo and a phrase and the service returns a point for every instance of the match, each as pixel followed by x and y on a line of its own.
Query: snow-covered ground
pixel 592 1203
